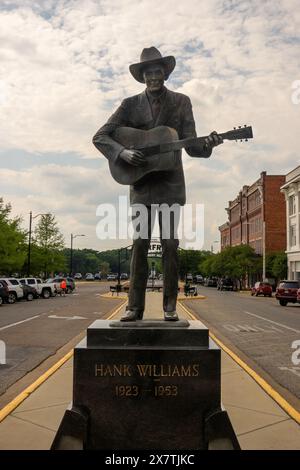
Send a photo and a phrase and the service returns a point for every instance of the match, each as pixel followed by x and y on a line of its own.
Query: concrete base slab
pixel 17 434
pixel 51 416
pixel 241 390
pixel 281 436
pixel 57 391
pixel 248 420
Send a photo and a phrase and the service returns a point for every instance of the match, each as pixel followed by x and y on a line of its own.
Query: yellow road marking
pixel 109 295
pixel 115 312
pixel 10 407
pixel 194 297
pixel 286 406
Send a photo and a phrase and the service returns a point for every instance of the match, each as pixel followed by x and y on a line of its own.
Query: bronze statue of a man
pixel 156 106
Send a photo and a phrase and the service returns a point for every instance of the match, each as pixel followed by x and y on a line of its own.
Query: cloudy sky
pixel 64 69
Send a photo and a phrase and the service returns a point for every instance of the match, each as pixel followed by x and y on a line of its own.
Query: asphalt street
pixel 34 331
pixel 258 329
pixel 266 334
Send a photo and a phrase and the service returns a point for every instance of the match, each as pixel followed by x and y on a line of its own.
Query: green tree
pixel 190 261
pixel 236 262
pixel 104 268
pixel 207 266
pixel 48 244
pixel 12 241
pixel 279 267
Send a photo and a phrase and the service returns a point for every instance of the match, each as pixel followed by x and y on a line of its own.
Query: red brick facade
pixel 225 235
pixel 256 207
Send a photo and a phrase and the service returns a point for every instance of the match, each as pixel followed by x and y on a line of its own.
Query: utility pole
pixel 29 244
pixel 71 253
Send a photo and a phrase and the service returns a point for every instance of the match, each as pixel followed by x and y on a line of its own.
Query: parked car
pixel 211 282
pixel 199 279
pixel 298 296
pixel 97 276
pixel 57 280
pixel 225 283
pixel 287 292
pixel 44 289
pixel 189 277
pixel 124 277
pixel 4 292
pixel 30 292
pixel 14 287
pixel 262 288
pixel 112 277
pixel 89 277
pixel 78 276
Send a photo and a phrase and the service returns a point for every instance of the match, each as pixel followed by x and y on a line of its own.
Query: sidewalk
pixel 258 421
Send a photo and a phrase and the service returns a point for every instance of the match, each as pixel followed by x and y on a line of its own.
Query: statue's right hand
pixel 133 157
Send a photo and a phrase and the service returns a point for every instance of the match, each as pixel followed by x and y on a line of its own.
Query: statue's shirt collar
pixel 160 97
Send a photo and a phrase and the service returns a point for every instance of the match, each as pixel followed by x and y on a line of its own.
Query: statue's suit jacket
pixel 176 112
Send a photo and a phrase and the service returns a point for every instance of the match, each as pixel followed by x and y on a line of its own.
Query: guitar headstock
pixel 239 133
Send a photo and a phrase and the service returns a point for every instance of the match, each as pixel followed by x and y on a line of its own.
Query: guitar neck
pixel 175 145
pixel 239 133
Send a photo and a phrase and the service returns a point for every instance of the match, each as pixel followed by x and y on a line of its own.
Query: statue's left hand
pixel 213 140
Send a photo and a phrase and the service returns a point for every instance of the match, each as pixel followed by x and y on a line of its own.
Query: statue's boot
pixel 132 315
pixel 171 316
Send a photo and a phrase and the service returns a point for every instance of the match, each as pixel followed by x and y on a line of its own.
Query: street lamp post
pixel 264 249
pixel 119 264
pixel 29 240
pixel 119 268
pixel 71 253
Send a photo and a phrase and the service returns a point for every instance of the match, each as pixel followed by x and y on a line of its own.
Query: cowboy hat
pixel 149 56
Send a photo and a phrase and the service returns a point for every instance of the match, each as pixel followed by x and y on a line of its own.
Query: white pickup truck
pixel 15 291
pixel 44 289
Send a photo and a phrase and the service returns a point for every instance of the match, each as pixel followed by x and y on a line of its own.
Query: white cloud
pixel 64 69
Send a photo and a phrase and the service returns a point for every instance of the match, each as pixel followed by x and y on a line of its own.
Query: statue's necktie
pixel 155 108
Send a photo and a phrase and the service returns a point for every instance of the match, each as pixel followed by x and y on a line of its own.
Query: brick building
pixel 225 235
pixel 257 216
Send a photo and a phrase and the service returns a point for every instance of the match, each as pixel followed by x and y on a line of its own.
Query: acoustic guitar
pixel 160 147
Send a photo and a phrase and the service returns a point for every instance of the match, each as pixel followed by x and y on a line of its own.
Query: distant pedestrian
pixel 63 288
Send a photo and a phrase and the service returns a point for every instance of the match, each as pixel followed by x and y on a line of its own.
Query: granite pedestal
pixel 146 385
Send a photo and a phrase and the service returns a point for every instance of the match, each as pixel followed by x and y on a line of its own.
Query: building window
pixel 254 200
pixel 255 226
pixel 292 235
pixel 292 205
pixel 225 240
pixel 235 213
pixel 258 226
pixel 257 198
pixel 235 234
pixel 244 232
pixel 258 247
